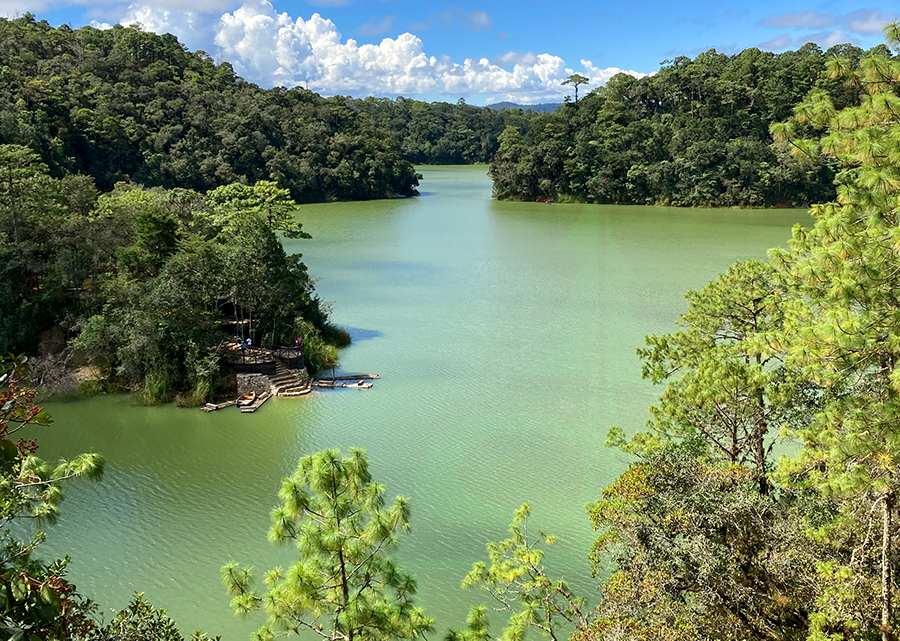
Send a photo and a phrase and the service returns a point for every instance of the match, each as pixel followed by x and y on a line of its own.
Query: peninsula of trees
pixel 694 134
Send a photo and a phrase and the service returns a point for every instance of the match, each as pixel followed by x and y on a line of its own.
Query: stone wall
pixel 258 383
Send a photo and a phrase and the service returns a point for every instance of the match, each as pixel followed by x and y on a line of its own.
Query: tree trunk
pixel 345 588
pixel 887 632
pixel 759 437
pixel 761 459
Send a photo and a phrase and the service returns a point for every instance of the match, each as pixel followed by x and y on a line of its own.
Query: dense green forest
pixel 140 280
pixel 694 134
pixel 439 133
pixel 144 191
pixel 542 107
pixel 122 104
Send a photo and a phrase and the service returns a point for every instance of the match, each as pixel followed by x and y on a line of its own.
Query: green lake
pixel 505 337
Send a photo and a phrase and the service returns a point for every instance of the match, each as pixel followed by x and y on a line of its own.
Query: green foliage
pixel 695 547
pixel 724 381
pixel 699 548
pixel 35 280
pixel 318 352
pixel 694 134
pixel 264 203
pixel 840 328
pixel 124 104
pixel 518 581
pixel 441 133
pixel 336 336
pixel 576 79
pixel 344 585
pixel 143 279
pixel 140 621
pixel 36 602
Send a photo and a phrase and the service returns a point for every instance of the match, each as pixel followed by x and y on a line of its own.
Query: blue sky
pixel 479 51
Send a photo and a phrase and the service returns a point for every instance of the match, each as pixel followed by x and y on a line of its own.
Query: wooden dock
pixel 360 384
pixel 255 405
pixel 212 407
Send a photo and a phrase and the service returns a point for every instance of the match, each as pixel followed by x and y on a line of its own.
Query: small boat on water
pixel 245 400
pixel 256 404
pixel 356 385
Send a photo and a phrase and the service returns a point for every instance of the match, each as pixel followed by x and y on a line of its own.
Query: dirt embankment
pixel 59 370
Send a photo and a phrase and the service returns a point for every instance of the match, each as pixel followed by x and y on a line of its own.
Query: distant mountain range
pixel 544 107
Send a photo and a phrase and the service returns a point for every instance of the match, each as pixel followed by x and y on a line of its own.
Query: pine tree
pixel 344 586
pixel 842 327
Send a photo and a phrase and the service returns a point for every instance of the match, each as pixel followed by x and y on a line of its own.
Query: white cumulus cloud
pixel 515 57
pixel 272 48
pixel 868 21
pixel 192 28
pixel 601 76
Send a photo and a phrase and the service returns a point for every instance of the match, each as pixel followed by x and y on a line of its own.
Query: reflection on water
pixel 360 334
pixel 506 335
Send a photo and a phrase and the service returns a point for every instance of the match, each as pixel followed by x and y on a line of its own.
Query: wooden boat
pixel 256 404
pixel 246 399
pixel 356 385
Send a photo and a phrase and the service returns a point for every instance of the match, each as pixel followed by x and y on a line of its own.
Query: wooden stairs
pixel 289 382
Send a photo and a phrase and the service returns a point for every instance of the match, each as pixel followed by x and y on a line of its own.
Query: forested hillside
pixel 121 104
pixel 694 134
pixel 541 107
pixel 440 133
pixel 144 191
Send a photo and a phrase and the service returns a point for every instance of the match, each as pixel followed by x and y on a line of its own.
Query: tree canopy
pixel 576 80
pixel 124 104
pixel 811 554
pixel 146 280
pixel 694 134
pixel 440 133
pixel 344 585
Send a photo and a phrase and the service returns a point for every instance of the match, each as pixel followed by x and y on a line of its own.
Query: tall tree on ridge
pixel 575 80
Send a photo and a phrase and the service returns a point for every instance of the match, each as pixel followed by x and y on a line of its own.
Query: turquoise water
pixel 505 337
